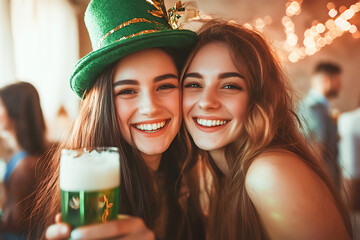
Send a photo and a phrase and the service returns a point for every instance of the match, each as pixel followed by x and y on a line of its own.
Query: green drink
pixel 89 184
pixel 82 207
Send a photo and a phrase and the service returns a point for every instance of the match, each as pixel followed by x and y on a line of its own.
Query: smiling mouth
pixel 210 123
pixel 151 127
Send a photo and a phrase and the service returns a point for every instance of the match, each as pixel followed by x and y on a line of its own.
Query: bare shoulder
pixel 275 166
pixel 27 164
pixel 291 199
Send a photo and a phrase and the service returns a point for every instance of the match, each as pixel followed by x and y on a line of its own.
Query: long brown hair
pixel 270 124
pixel 22 104
pixel 97 125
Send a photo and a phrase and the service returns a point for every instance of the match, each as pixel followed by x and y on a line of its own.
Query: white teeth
pixel 209 123
pixel 151 127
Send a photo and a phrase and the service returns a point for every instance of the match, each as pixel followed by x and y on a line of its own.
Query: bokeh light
pixel 292 39
pixel 332 12
pixel 330 5
pixel 293 8
pixel 320 28
pixel 352 29
pixel 318 35
pixel 294 57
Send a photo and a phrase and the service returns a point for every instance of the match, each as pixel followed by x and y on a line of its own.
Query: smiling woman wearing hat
pixel 131 100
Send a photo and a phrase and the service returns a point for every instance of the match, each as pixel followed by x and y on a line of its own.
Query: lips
pixel 210 122
pixel 152 126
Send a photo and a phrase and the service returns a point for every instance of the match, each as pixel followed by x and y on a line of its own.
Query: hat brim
pixel 88 68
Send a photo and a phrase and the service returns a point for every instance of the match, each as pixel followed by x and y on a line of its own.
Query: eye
pixel 166 86
pixel 192 85
pixel 126 92
pixel 232 86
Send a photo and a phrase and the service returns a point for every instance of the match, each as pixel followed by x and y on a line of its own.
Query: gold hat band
pixel 127 23
pixel 139 33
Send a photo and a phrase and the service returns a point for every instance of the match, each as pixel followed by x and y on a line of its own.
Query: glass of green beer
pixel 89 184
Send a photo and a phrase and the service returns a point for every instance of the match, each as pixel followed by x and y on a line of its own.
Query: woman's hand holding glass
pixel 89 184
pixel 125 227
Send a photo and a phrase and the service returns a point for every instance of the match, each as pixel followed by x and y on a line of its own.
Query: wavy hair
pixel 271 123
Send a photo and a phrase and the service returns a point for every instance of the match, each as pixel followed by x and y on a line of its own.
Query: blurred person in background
pixel 349 155
pixel 319 127
pixel 6 152
pixel 22 118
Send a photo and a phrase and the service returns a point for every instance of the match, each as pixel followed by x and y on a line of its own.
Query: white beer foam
pixel 89 172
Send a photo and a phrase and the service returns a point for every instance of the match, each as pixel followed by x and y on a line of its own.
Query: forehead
pixel 217 56
pixel 147 62
pixel 210 52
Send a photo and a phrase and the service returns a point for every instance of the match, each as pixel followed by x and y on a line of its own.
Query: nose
pixel 209 100
pixel 148 104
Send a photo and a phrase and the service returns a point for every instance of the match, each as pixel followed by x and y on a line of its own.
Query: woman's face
pixel 5 121
pixel 215 98
pixel 147 99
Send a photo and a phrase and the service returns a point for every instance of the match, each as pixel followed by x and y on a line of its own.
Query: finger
pixel 58 218
pixel 111 229
pixel 122 216
pixel 144 235
pixel 58 231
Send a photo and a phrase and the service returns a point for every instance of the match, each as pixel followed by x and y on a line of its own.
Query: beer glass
pixel 89 184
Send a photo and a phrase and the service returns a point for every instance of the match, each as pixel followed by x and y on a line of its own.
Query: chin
pixel 153 150
pixel 206 146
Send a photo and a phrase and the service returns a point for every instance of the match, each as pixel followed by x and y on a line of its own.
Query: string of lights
pixel 315 37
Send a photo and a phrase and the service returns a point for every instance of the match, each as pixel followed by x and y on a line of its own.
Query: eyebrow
pixel 193 74
pixel 164 77
pixel 221 76
pixel 230 74
pixel 126 82
pixel 135 82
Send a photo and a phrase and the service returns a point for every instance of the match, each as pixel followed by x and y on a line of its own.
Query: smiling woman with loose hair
pixel 265 181
pixel 119 111
pixel 130 91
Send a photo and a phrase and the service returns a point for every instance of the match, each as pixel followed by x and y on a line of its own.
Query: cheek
pixel 3 118
pixel 124 110
pixel 188 102
pixel 172 103
pixel 239 108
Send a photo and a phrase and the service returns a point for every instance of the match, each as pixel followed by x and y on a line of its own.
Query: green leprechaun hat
pixel 121 27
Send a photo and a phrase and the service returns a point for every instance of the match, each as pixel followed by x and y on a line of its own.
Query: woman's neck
pixel 219 158
pixel 152 161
